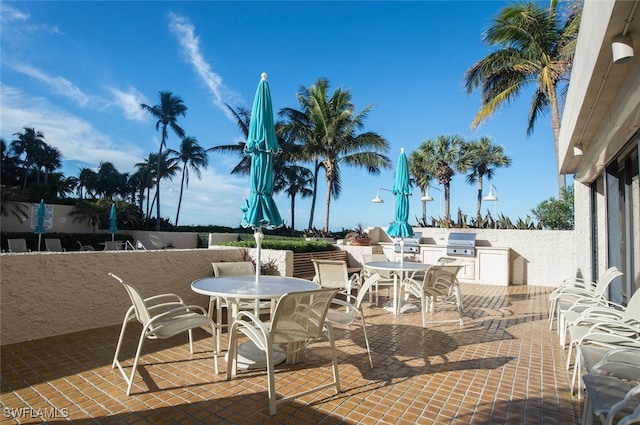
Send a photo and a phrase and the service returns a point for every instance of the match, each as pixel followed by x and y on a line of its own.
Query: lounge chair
pixel 18 245
pixel 54 245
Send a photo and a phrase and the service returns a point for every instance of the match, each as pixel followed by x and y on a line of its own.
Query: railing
pixel 128 245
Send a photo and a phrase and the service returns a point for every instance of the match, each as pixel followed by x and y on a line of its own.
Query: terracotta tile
pixel 503 366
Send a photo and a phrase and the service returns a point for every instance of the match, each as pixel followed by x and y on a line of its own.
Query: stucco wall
pixel 46 294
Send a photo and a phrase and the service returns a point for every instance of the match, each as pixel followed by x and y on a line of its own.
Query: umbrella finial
pixel 401 150
pixel 263 76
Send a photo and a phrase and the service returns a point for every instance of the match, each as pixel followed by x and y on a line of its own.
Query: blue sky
pixel 78 71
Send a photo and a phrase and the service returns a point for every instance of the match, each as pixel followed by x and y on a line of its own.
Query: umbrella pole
pixel 258 236
pixel 39 241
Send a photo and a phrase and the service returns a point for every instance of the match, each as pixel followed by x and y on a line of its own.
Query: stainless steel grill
pixel 411 245
pixel 463 244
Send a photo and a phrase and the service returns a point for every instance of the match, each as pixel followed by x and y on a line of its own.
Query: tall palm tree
pixel 148 169
pixel 29 143
pixel 419 171
pixel 193 157
pixel 243 118
pixel 109 180
pixel 330 130
pixel 443 158
pixel 294 180
pixel 88 179
pixel 50 160
pixel 530 45
pixel 166 113
pixel 484 157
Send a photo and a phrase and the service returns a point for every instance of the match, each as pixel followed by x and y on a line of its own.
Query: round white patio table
pixel 236 288
pixel 398 270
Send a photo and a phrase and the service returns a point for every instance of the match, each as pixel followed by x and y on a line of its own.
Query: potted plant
pixel 358 237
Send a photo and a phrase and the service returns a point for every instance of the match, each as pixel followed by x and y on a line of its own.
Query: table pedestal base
pixel 250 357
pixel 404 308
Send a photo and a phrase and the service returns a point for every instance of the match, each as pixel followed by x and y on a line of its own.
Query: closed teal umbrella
pixel 401 190
pixel 112 222
pixel 260 211
pixel 40 226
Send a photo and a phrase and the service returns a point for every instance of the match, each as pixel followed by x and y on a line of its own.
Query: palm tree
pixel 419 171
pixel 484 157
pixel 243 118
pixel 88 179
pixel 530 45
pixel 294 180
pixel 28 143
pixel 166 113
pixel 330 129
pixel 443 157
pixel 148 170
pixel 50 160
pixel 192 156
pixel 109 180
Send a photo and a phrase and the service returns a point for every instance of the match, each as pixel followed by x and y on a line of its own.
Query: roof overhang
pixel 602 108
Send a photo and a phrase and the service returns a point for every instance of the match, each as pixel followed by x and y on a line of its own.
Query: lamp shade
pixel 622 49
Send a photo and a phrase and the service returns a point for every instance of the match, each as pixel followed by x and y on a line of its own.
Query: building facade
pixel 599 138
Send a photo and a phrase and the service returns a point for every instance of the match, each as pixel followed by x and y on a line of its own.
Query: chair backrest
pixel 449 260
pixel 442 277
pixel 53 245
pixel 85 247
pixel 331 273
pixel 233 268
pixel 300 316
pixel 367 258
pixel 111 246
pixel 142 314
pixel 604 281
pixel 17 245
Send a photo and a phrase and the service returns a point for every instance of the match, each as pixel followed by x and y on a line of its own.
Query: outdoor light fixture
pixel 428 198
pixel 493 197
pixel 577 150
pixel 378 199
pixel 622 49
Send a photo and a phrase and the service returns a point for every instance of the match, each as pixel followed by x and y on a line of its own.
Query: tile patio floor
pixel 503 367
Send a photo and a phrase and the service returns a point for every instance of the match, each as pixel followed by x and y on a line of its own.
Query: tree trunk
pixel 479 201
pixel 293 214
pixel 327 203
pixel 181 189
pixel 313 197
pixel 555 124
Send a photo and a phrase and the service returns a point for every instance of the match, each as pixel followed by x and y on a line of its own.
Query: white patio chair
pixel 571 289
pixel 17 245
pixel 439 283
pixel 53 245
pixel 608 332
pixel 162 316
pixel 612 391
pixel 592 353
pixel 85 247
pixel 344 312
pixel 299 318
pixel 581 308
pixel 217 304
pixel 386 276
pixel 335 274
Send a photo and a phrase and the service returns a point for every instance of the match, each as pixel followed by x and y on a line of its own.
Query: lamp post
pixel 493 197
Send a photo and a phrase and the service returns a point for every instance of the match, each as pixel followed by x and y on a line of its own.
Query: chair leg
pixel 120 339
pixel 271 384
pixel 366 338
pixel 135 361
pixel 334 357
pixel 423 306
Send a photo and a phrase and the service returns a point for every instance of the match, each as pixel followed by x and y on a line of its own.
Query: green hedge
pixel 291 244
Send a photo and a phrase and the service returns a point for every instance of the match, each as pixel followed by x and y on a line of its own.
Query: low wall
pixel 44 294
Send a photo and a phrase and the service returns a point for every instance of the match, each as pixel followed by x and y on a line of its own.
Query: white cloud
pixel 76 138
pixel 129 102
pixel 58 85
pixel 10 15
pixel 191 47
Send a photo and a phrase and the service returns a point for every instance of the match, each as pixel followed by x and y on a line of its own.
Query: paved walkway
pixel 503 367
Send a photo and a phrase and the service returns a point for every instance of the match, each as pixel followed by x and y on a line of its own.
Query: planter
pixel 361 242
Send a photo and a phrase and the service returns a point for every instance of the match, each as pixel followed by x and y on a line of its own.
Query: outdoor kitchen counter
pixel 489 266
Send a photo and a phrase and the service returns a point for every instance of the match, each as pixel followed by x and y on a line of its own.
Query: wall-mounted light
pixel 577 150
pixel 493 197
pixel 622 49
